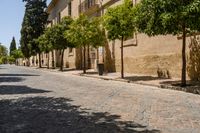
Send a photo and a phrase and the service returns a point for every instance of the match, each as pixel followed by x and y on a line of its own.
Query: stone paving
pixel 37 101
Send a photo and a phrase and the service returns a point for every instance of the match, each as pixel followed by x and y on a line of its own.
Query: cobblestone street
pixel 40 101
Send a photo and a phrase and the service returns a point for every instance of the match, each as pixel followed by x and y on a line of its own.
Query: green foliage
pixel 12 45
pixel 33 26
pixel 3 51
pixel 57 36
pixel 25 38
pixel 79 33
pixel 47 41
pixel 161 17
pixel 3 54
pixel 86 32
pixel 17 54
pixel 43 43
pixel 11 59
pixel 194 59
pixel 118 21
pixel 3 59
pixel 98 37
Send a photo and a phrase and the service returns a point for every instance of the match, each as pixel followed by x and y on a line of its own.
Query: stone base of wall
pixel 149 64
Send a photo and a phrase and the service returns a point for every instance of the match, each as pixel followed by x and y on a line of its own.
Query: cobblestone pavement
pixel 38 101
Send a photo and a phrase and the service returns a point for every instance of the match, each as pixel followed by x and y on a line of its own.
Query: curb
pixel 183 89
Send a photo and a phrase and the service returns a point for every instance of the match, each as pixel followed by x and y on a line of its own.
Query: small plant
pixel 163 73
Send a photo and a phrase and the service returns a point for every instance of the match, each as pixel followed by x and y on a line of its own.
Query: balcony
pixel 88 6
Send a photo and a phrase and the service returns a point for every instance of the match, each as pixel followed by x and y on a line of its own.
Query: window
pixel 70 9
pixel 131 41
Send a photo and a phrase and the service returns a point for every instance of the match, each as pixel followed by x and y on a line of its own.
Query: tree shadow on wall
pixel 14 89
pixel 57 115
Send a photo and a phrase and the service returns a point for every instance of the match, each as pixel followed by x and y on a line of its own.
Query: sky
pixel 12 13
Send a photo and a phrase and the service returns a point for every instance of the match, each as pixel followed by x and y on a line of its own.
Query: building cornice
pixel 51 5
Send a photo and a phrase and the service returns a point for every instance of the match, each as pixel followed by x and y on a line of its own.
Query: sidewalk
pixel 174 83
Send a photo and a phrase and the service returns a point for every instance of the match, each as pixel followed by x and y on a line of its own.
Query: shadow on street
pixel 192 86
pixel 142 78
pixel 11 79
pixel 57 115
pixel 15 75
pixel 14 89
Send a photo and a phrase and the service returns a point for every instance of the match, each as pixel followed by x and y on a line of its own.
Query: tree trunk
pixel 183 79
pixel 40 65
pixel 122 58
pixel 28 62
pixel 62 59
pixel 48 61
pixel 88 57
pixel 81 59
pixel 97 53
pixel 84 60
pixel 53 62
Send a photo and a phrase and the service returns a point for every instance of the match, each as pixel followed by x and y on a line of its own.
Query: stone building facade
pixel 142 54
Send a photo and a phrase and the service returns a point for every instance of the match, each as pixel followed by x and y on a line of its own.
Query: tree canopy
pixel 79 31
pixel 168 16
pixel 118 21
pixel 3 51
pixel 33 25
pixel 162 17
pixel 58 37
pixel 12 45
pixel 3 54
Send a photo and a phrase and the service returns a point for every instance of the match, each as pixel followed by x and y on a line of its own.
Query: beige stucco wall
pixel 150 54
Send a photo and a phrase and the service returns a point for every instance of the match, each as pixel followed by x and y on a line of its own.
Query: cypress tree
pixel 12 46
pixel 33 26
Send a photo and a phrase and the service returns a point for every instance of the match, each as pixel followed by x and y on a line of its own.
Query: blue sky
pixel 11 12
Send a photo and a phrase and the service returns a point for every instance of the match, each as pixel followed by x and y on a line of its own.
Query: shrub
pixel 194 59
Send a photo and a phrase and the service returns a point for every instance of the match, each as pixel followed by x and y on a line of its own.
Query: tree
pixel 79 34
pixel 3 51
pixel 17 54
pixel 3 54
pixel 10 59
pixel 12 46
pixel 98 36
pixel 96 28
pixel 177 17
pixel 60 42
pixel 84 32
pixel 119 25
pixel 33 26
pixel 44 43
pixel 25 38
